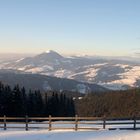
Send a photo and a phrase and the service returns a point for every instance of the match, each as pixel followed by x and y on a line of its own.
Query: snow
pixel 19 60
pixel 92 72
pixel 65 67
pixel 70 135
pixel 122 65
pixel 26 67
pixel 62 73
pixel 49 51
pixel 89 73
pixel 32 69
pixel 38 134
pixel 80 98
pixel 35 70
pixel 76 74
pixel 81 124
pixel 129 77
pixel 100 64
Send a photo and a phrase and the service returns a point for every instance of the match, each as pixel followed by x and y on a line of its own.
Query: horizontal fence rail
pixel 74 123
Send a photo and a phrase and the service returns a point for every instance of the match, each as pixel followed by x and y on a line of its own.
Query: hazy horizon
pixel 76 27
pixel 18 55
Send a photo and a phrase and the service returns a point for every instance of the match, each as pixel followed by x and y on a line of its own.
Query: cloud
pixel 135 52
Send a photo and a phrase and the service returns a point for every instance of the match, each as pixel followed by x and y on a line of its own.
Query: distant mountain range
pixel 46 83
pixel 110 73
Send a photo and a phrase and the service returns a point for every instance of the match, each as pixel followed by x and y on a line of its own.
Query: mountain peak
pixel 50 51
pixel 49 55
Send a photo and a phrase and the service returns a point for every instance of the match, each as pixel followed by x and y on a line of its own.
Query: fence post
pixel 134 123
pixel 4 120
pixel 26 123
pixel 50 123
pixel 76 122
pixel 104 122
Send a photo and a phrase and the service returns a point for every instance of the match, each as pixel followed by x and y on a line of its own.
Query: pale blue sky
pixel 104 27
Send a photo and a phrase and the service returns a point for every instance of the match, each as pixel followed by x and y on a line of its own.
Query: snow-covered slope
pixel 113 74
pixel 47 83
pixel 67 135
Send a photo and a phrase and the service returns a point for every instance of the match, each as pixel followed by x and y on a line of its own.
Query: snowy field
pixel 44 134
pixel 71 125
pixel 70 135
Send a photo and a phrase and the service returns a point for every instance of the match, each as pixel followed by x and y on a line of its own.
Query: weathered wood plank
pixel 50 121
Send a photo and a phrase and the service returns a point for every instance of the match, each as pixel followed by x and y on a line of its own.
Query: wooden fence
pixel 50 123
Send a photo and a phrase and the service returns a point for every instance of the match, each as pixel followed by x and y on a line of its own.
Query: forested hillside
pixel 19 102
pixel 111 104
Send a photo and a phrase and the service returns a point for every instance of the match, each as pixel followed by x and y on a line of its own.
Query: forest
pixel 17 101
pixel 110 104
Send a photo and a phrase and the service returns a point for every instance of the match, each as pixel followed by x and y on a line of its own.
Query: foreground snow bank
pixel 71 135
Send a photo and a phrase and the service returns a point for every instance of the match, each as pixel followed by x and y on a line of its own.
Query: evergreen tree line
pixel 111 104
pixel 18 102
